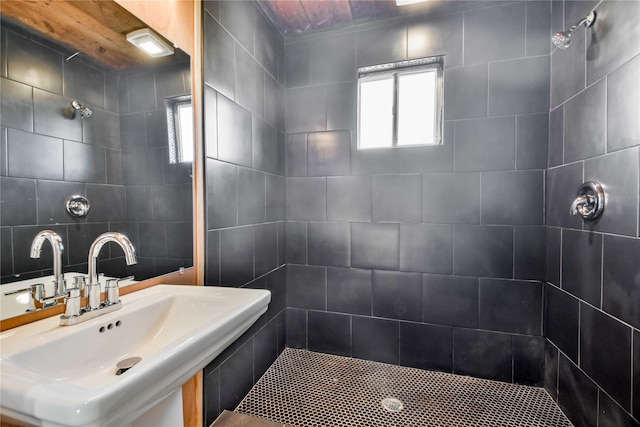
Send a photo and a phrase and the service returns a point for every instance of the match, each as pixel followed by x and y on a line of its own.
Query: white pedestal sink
pixel 53 375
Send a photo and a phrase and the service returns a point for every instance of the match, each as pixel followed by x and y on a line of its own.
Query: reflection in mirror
pixel 131 163
pixel 180 128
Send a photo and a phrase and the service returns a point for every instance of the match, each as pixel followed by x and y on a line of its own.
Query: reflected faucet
pixel 129 255
pixel 57 247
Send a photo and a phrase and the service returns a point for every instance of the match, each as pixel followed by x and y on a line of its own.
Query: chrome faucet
pixel 38 292
pixel 129 256
pixel 74 313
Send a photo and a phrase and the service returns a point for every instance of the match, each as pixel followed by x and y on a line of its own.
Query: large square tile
pixel 374 246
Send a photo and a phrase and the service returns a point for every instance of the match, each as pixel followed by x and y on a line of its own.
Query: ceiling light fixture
pixel 150 43
pixel 407 2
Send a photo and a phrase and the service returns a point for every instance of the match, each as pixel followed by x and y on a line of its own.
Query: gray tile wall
pixel 400 252
pixel 245 186
pixel 118 159
pixel 592 305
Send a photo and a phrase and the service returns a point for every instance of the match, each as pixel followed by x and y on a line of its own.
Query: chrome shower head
pixel 562 40
pixel 85 112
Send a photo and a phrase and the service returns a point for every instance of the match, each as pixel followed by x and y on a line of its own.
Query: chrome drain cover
pixel 125 364
pixel 392 404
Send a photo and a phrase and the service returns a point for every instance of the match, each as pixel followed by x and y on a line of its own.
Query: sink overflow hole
pixel 392 404
pixel 125 364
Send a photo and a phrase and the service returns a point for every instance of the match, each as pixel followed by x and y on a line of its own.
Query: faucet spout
pixel 122 241
pixel 57 247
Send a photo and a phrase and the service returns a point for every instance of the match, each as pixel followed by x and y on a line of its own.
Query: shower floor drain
pixel 392 404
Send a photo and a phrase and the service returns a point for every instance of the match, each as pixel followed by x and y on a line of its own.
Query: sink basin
pixel 55 375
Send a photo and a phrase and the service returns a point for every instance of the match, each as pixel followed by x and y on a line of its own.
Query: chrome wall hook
pixel 589 201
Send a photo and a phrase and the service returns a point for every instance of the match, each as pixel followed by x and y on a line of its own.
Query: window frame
pixel 396 69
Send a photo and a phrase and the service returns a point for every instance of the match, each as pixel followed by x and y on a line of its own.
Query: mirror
pixel 127 157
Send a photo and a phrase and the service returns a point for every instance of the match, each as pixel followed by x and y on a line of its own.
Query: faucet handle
pixel 60 288
pixel 113 291
pixel 72 303
pixel 37 291
pixel 80 282
pixel 36 294
pixel 589 201
pixel 579 202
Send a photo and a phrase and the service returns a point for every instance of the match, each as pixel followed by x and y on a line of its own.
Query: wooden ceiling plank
pixel 341 7
pixel 373 9
pixel 114 23
pixel 65 23
pixel 327 13
pixel 291 15
pixel 118 19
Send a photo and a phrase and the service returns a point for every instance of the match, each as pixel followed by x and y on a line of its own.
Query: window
pixel 180 128
pixel 400 104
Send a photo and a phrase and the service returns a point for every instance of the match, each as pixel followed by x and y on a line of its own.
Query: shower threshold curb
pixel 236 419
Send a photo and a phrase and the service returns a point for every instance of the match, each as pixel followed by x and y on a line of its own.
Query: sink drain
pixel 125 364
pixel 392 404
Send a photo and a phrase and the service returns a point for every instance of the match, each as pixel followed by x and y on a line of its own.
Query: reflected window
pixel 400 104
pixel 180 128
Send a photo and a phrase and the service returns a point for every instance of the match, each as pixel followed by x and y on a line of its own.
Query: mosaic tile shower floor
pixel 308 389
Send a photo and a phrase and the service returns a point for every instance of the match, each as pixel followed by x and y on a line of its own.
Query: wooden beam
pixel 193 390
pixel 192 401
pixel 94 28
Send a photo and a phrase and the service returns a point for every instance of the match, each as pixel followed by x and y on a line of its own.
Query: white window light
pixel 150 43
pixel 180 127
pixel 400 104
pixel 185 129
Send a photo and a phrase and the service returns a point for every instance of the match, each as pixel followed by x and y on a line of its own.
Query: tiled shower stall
pixel 461 257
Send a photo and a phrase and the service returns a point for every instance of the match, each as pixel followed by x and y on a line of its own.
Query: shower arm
pixel 586 21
